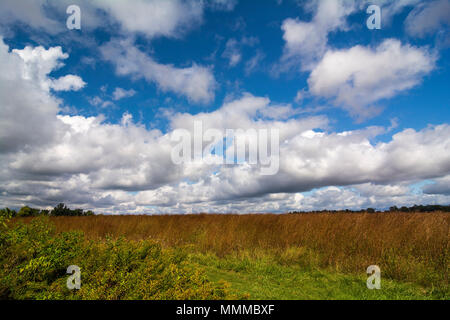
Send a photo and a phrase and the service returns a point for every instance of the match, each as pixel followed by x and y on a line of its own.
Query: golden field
pixel 206 256
pixel 407 246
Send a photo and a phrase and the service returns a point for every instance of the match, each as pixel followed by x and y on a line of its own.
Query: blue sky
pixel 363 114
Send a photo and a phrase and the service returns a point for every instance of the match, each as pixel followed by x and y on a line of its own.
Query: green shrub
pixel 34 261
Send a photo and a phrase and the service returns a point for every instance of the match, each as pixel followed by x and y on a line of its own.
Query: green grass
pixel 262 279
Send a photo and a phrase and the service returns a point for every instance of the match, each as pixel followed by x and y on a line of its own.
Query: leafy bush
pixel 34 261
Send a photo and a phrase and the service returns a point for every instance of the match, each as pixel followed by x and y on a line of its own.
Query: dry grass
pixel 407 246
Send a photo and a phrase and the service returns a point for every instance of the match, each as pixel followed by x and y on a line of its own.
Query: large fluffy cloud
pixel 358 77
pixel 27 108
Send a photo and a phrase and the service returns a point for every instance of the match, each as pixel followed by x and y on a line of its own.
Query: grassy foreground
pixel 263 279
pixel 227 257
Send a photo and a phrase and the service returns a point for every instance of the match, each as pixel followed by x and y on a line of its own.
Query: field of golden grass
pixel 410 247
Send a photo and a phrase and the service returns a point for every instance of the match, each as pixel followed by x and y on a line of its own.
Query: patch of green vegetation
pixel 35 259
pixel 264 278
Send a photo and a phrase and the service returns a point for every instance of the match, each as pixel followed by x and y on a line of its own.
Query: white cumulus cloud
pixel 68 83
pixel 359 77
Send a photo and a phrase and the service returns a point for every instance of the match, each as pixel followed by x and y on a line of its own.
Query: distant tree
pixel 61 210
pixel 77 212
pixel 28 212
pixel 370 210
pixel 89 213
pixel 24 212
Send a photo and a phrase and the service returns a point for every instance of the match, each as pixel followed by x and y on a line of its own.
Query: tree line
pixel 414 208
pixel 58 211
